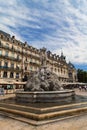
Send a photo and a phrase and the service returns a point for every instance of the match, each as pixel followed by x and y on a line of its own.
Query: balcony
pixel 26 62
pixel 9 48
pixel 34 56
pixel 10 58
pixel 26 71
pixel 3 67
pixel 4 46
pixel 10 68
pixel 34 63
pixel 18 51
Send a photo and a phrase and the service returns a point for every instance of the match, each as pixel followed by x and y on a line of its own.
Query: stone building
pixel 18 60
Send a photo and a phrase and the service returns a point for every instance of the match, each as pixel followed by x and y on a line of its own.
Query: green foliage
pixel 82 75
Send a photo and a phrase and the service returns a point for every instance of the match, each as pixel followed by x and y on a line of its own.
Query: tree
pixel 82 75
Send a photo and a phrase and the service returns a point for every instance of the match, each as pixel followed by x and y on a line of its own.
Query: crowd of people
pixel 81 87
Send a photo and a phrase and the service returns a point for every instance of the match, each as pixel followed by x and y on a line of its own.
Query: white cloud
pixel 60 24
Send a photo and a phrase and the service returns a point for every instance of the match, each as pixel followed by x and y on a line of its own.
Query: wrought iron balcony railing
pixel 10 68
pixel 10 58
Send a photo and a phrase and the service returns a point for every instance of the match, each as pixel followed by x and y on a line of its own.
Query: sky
pixel 54 24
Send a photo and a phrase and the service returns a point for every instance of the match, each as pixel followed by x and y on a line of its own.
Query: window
pixel 55 69
pixel 26 59
pixel 5 74
pixel 52 69
pixel 6 53
pixel 11 75
pixel 0 52
pixel 25 68
pixel 8 39
pixel 7 45
pixel 6 64
pixel 12 47
pixel 1 36
pixel 17 67
pixel 58 69
pixel 31 68
pixel 0 74
pixel 18 49
pixel 31 60
pixel 70 74
pixel 13 54
pixel 13 41
pixel 18 57
pixel 17 75
pixel 12 65
pixel 64 71
pixel 0 64
pixel 0 43
pixel 61 70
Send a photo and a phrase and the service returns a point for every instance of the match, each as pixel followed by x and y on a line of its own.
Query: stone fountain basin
pixel 45 96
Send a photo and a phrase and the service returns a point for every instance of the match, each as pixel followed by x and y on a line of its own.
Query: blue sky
pixel 53 24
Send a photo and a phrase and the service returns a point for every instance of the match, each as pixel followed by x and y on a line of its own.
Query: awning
pixel 6 83
pixel 74 83
pixel 19 83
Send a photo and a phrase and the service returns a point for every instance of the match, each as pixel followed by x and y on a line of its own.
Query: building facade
pixel 18 60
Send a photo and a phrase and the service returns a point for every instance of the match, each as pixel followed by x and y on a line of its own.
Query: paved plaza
pixel 75 123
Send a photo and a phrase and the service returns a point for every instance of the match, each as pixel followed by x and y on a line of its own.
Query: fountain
pixel 44 86
pixel 44 100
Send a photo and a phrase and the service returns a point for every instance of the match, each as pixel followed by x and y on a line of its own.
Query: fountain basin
pixel 45 96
